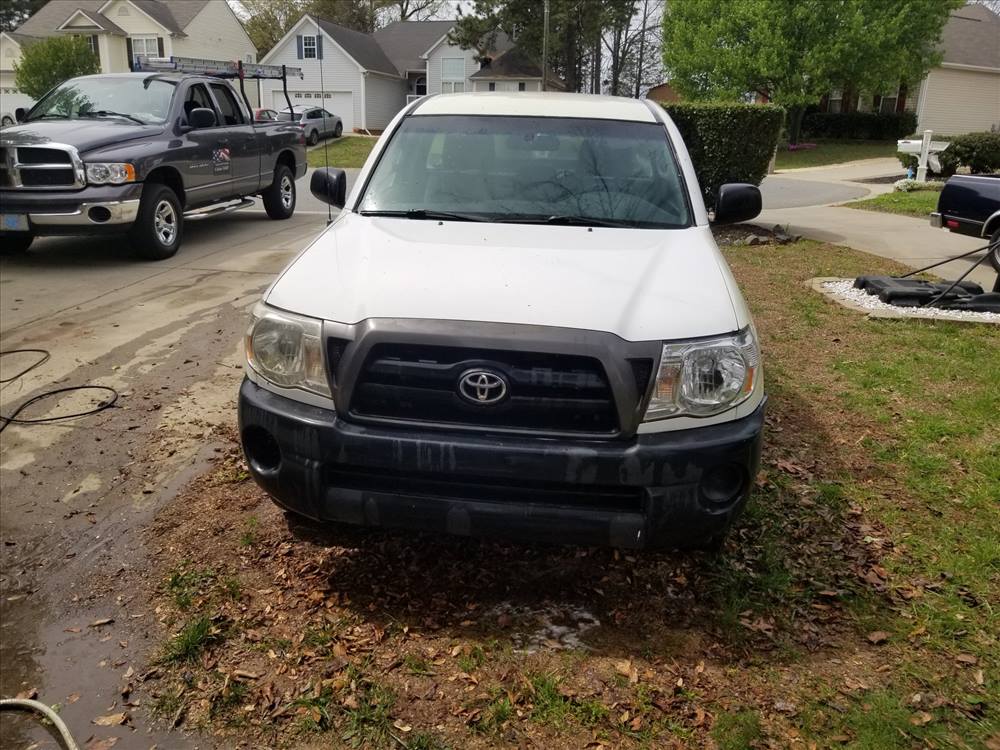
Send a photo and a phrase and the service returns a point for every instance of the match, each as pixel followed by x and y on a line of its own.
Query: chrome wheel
pixel 165 222
pixel 287 190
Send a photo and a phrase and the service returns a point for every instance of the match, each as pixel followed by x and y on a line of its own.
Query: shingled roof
pixel 972 37
pixel 362 47
pixel 173 15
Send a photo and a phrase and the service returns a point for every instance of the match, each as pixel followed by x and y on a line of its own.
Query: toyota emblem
pixel 482 387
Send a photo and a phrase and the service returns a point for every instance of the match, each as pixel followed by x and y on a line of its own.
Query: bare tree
pixel 632 42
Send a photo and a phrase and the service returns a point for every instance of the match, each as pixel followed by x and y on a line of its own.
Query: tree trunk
pixel 642 48
pixel 794 123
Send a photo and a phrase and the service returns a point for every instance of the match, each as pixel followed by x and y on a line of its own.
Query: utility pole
pixel 545 46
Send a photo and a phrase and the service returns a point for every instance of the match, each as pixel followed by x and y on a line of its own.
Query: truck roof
pixel 536 104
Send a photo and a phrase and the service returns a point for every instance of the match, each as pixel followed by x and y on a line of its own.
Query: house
pixel 663 92
pixel 367 78
pixel 118 30
pixel 961 95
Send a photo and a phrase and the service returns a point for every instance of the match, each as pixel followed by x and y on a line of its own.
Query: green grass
pixel 192 639
pixel 918 203
pixel 184 585
pixel 834 152
pixel 473 660
pixel 737 731
pixel 249 536
pixel 345 153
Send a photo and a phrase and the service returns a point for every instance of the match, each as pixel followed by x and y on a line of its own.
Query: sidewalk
pixel 911 241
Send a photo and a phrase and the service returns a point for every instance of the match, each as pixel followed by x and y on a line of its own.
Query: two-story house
pixel 118 30
pixel 367 78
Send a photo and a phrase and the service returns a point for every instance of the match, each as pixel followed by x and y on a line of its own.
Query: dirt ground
pixel 200 616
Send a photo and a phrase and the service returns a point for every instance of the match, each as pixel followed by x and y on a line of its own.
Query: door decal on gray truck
pixel 221 161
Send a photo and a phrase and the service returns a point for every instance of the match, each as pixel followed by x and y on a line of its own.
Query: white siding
pixel 10 53
pixel 340 73
pixel 215 33
pixel 384 97
pixel 10 97
pixel 508 85
pixel 442 51
pixel 954 101
pixel 114 55
pixel 134 21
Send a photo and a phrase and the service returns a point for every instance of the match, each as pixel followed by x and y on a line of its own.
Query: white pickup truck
pixel 519 324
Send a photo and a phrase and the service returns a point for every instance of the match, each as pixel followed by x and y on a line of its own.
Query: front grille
pixel 34 155
pixel 11 204
pixel 546 392
pixel 621 499
pixel 47 177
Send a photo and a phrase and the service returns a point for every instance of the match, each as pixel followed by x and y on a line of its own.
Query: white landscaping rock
pixel 843 291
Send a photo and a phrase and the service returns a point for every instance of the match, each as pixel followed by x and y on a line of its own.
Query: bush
pixel 48 62
pixel 910 186
pixel 727 142
pixel 868 126
pixel 980 152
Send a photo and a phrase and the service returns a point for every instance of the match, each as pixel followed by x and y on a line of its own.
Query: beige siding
pixel 954 102
pixel 434 63
pixel 10 53
pixel 384 97
pixel 216 34
pixel 131 20
pixel 114 54
pixel 340 74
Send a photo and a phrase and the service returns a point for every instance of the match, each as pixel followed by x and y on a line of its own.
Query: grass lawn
pixel 917 203
pixel 855 604
pixel 835 152
pixel 345 152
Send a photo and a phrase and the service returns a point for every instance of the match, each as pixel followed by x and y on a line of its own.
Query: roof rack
pixel 234 69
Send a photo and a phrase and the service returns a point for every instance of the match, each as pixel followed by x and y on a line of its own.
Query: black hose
pixel 13 418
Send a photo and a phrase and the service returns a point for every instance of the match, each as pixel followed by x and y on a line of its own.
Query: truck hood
pixel 637 283
pixel 85 135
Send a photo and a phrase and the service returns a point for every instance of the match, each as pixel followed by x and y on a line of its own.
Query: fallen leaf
pixel 921 718
pixel 72 697
pixel 105 744
pixel 878 637
pixel 401 726
pixel 111 720
pixel 101 621
pixel 967 659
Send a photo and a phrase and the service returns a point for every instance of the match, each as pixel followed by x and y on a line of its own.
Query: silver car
pixel 315 121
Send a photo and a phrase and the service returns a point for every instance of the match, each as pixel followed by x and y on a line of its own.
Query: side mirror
pixel 737 202
pixel 201 117
pixel 330 186
pixel 19 114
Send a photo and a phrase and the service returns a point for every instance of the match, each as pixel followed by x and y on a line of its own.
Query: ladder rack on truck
pixel 230 69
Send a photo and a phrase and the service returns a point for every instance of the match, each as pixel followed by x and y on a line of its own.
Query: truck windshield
pixel 129 99
pixel 529 169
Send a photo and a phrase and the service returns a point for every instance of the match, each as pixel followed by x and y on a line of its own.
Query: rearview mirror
pixel 19 114
pixel 201 117
pixel 737 201
pixel 330 186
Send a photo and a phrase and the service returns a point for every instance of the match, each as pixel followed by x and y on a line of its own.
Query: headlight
pixel 287 350
pixel 115 173
pixel 702 378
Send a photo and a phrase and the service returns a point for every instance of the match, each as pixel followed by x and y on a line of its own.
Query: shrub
pixel 909 186
pixel 980 152
pixel 48 62
pixel 727 142
pixel 868 126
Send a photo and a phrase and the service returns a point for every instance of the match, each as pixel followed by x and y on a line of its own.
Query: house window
pixel 836 101
pixel 122 10
pixel 309 47
pixel 521 86
pixel 420 86
pixel 452 75
pixel 144 45
pixel 492 86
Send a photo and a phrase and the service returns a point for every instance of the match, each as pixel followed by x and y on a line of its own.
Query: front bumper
pixel 655 490
pixel 94 209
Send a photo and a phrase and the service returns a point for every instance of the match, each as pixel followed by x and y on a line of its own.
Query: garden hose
pixel 25 704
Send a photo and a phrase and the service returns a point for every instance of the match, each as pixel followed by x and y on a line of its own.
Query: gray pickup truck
pixel 139 153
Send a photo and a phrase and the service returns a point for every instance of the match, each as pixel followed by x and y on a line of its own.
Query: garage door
pixel 340 103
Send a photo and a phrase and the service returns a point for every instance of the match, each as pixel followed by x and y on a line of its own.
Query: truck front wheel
pixel 279 198
pixel 156 234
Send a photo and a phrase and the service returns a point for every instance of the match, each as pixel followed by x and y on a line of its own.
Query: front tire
pixel 7 121
pixel 338 131
pixel 279 198
pixel 15 243
pixel 156 233
pixel 313 138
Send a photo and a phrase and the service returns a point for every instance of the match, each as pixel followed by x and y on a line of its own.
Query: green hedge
pixel 867 126
pixel 980 152
pixel 727 142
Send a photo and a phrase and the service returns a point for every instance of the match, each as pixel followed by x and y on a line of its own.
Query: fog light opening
pixel 99 214
pixel 721 486
pixel 261 450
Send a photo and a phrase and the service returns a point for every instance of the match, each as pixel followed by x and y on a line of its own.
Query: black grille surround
pixel 560 381
pixel 552 392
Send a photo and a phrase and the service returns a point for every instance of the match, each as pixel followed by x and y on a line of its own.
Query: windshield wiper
pixel 586 221
pixel 109 113
pixel 423 213
pixel 48 115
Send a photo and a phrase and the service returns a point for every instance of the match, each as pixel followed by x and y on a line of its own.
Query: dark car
pixel 315 122
pixel 137 153
pixel 970 204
